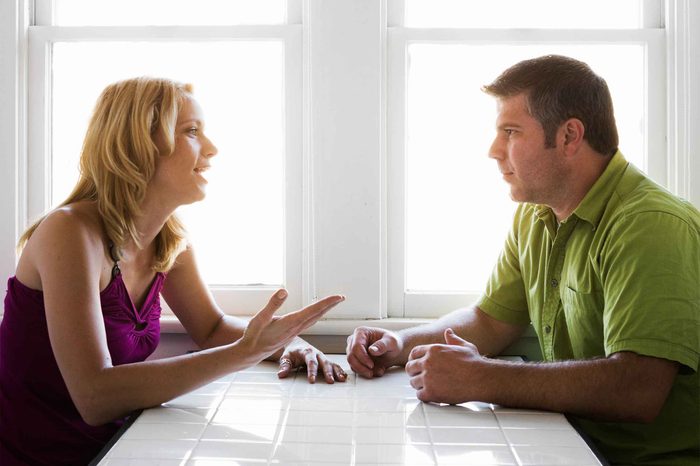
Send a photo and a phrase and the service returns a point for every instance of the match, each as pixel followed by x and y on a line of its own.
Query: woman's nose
pixel 211 149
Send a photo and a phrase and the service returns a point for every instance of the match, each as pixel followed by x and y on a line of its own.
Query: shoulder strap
pixel 115 270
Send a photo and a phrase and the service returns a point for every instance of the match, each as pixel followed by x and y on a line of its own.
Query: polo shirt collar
pixel 596 199
pixel 593 205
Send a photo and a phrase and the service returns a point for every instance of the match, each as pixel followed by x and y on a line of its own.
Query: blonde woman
pixel 82 311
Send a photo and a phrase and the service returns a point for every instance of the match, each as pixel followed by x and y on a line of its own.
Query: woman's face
pixel 179 176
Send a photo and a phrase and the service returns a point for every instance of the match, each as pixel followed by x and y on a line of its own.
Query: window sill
pixel 170 324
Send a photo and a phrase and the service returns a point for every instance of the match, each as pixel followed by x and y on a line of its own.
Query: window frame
pixel 407 303
pixel 348 232
pixel 238 299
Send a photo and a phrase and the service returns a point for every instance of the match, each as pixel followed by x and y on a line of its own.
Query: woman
pixel 82 311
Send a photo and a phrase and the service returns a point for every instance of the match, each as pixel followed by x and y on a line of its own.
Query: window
pixel 447 201
pixel 352 135
pixel 248 81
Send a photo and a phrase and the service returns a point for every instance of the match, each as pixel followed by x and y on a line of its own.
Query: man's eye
pixel 509 132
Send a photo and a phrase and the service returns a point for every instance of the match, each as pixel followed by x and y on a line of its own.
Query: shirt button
pixel 554 282
pixel 547 329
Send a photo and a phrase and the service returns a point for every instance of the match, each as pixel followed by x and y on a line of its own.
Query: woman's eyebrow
pixel 190 121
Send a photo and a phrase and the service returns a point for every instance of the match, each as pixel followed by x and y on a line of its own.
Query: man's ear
pixel 572 131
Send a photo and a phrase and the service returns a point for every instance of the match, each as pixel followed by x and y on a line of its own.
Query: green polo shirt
pixel 622 273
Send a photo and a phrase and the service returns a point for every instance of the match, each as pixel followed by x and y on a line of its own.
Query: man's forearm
pixel 623 388
pixel 472 324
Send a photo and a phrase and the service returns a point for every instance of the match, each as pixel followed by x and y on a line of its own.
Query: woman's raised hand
pixel 267 333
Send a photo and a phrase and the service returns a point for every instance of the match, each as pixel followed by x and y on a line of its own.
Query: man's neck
pixel 583 176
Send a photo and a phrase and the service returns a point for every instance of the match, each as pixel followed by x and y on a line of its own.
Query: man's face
pixel 532 171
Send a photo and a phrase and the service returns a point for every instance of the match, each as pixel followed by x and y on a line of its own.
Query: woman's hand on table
pixel 300 354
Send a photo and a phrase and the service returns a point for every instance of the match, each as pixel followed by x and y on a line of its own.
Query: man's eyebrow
pixel 507 124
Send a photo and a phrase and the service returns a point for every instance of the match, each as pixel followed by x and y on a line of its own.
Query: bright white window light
pixel 167 12
pixel 238 230
pixel 554 14
pixel 458 209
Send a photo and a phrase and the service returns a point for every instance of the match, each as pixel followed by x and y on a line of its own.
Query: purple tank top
pixel 39 424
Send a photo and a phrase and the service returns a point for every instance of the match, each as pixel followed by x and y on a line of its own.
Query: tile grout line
pixel 353 441
pixel 430 434
pixel 199 439
pixel 282 423
pixel 510 445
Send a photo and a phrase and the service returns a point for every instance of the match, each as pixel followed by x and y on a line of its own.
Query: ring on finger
pixel 285 362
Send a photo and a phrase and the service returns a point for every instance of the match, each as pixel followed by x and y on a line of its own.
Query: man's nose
pixel 495 151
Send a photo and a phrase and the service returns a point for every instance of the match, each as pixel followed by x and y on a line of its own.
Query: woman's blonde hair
pixel 118 160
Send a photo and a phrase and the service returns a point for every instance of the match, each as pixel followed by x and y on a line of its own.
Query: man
pixel 601 261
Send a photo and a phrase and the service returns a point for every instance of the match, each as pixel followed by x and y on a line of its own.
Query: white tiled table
pixel 253 418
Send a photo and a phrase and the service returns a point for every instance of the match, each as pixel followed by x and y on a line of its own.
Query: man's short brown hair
pixel 557 88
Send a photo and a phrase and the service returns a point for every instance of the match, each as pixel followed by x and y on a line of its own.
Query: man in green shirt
pixel 601 261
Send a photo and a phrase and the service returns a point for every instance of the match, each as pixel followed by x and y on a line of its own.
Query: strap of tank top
pixel 115 270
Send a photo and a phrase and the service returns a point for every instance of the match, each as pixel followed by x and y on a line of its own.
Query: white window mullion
pixel 656 153
pixel 295 11
pixel 683 21
pixel 42 12
pixel 396 10
pixel 396 172
pixel 15 18
pixel 345 149
pixel 294 214
pixel 38 124
pixel 653 15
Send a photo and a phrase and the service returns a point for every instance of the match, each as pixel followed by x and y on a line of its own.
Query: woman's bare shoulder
pixel 80 221
pixel 74 230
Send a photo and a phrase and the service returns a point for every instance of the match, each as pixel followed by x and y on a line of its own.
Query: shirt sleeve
pixel 650 271
pixel 504 298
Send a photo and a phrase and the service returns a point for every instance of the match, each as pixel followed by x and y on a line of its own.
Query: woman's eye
pixel 193 130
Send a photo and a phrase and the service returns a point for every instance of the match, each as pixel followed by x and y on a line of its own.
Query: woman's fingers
pixel 302 319
pixel 327 369
pixel 315 363
pixel 265 316
pixel 330 370
pixel 286 366
pixel 267 332
pixel 311 361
